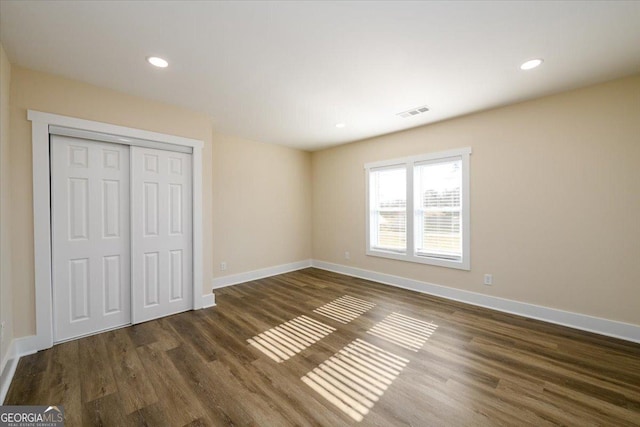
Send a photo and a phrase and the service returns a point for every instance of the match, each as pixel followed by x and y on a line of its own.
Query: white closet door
pixel 162 262
pixel 91 239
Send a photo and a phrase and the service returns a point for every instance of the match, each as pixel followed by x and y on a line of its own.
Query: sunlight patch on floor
pixel 356 377
pixel 290 338
pixel 345 309
pixel 404 331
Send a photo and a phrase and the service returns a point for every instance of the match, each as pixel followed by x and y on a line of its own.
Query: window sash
pixel 388 209
pixel 384 231
pixel 440 241
pixel 438 216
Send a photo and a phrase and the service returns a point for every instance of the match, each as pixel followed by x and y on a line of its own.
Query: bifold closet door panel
pixel 162 265
pixel 90 236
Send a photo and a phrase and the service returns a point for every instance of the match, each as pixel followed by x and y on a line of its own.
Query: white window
pixel 388 196
pixel 418 209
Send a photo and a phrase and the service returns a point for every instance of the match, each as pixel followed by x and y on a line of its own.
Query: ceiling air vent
pixel 413 111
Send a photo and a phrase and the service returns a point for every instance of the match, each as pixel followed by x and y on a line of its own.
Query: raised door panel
pixel 176 276
pixel 90 236
pixel 79 289
pixel 112 284
pixel 78 210
pixel 150 213
pixel 111 208
pixel 175 209
pixel 151 279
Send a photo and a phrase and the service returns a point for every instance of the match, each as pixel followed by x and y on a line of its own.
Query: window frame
pixel 410 254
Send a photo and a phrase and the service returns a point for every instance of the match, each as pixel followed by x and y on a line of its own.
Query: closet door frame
pixel 42 124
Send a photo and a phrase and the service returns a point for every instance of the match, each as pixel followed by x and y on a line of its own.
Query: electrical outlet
pixel 347 255
pixel 223 265
pixel 488 279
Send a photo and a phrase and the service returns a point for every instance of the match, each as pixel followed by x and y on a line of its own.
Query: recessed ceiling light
pixel 157 62
pixel 340 125
pixel 531 64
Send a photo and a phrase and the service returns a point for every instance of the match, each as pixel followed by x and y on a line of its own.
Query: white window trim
pixel 408 163
pixel 40 123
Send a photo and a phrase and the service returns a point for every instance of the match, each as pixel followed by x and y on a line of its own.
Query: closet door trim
pixel 41 124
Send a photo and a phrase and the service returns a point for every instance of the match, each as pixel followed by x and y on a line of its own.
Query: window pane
pixel 392 230
pixel 438 191
pixel 388 209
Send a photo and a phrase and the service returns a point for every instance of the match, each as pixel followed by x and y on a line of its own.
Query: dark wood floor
pixel 402 359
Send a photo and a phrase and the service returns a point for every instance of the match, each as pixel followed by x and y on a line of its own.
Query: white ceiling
pixel 287 72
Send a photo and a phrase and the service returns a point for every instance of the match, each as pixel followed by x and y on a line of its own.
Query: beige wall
pixel 555 194
pixel 6 296
pixel 555 200
pixel 262 205
pixel 52 94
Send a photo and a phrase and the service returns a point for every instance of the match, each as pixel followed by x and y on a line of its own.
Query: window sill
pixel 458 265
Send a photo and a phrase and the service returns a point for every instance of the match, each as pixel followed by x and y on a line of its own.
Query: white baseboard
pixel 221 282
pixel 612 328
pixel 19 347
pixel 7 369
pixel 7 376
pixel 208 300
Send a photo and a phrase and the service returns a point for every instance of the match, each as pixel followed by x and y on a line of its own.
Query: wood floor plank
pixel 142 333
pixel 476 367
pixel 157 334
pixel 222 406
pixel 178 400
pixel 149 416
pixel 134 387
pixel 233 340
pixel 257 383
pixel 104 411
pixel 62 382
pixel 28 390
pixel 198 423
pixel 166 336
pixel 313 407
pixel 96 375
pixel 190 330
pixel 261 409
